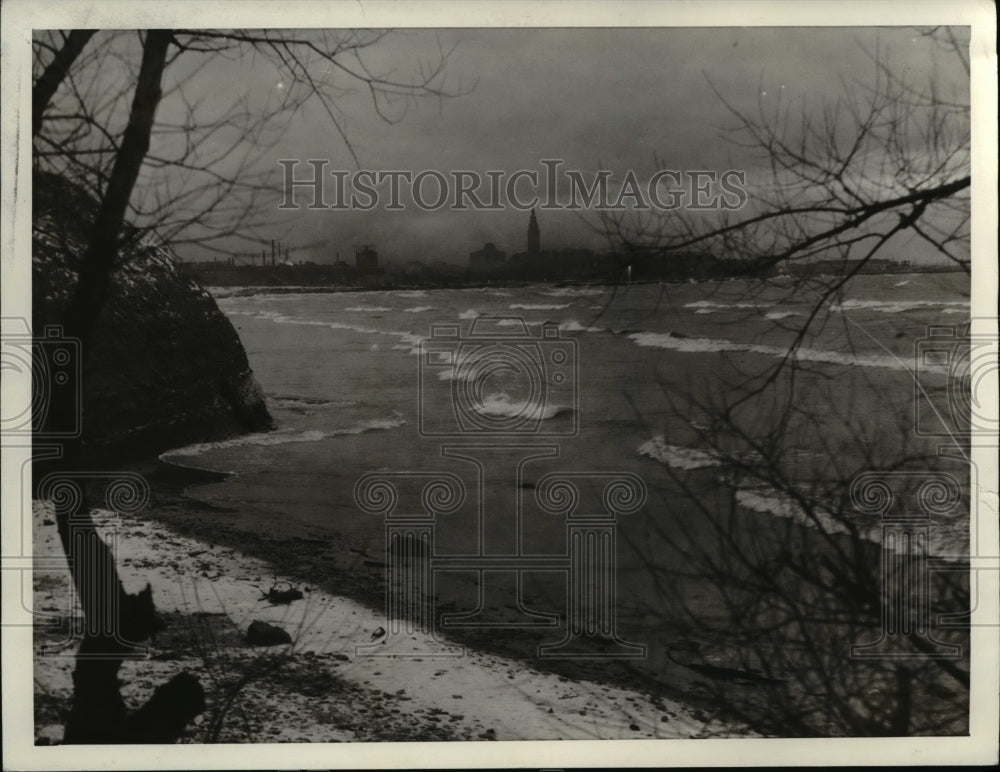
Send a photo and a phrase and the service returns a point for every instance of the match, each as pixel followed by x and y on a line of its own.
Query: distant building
pixel 843 267
pixel 487 260
pixel 365 258
pixel 366 264
pixel 534 237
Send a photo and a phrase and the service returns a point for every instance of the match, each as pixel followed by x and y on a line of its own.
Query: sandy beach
pixel 318 688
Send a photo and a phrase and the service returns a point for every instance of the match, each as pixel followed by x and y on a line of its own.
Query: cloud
pixel 611 98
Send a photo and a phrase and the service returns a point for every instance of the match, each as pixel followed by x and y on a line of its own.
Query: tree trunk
pixel 114 621
pixel 48 83
pixel 98 261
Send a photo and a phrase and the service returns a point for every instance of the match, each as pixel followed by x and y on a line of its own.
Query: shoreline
pixel 248 290
pixel 304 545
pixel 342 559
pixel 321 553
pixel 224 547
pixel 333 562
pixel 321 688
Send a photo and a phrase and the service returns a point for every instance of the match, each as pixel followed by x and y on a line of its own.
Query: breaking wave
pixel 410 340
pixel 776 315
pixel 677 457
pixel 574 326
pixel 947 539
pixel 561 292
pixel 286 436
pixel 900 306
pixel 710 305
pixel 708 345
pixel 501 405
pixel 305 403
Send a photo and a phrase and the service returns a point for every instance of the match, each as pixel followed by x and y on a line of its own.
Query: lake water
pixel 501 387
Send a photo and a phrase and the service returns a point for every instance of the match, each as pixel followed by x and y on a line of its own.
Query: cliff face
pixel 165 368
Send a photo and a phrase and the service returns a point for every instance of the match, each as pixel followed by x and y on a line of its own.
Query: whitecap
pixel 803 354
pixel 899 306
pixel 286 436
pixel 711 304
pixel 410 293
pixel 675 456
pixel 501 405
pixel 412 341
pixel 293 403
pixel 948 540
pixel 574 326
pixel 559 292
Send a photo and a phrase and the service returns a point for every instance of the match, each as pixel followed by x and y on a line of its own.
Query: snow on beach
pixel 471 696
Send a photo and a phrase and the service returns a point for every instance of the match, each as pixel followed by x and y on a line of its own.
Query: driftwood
pixel 281 596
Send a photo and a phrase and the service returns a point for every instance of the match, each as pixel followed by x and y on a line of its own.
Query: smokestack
pixel 272 251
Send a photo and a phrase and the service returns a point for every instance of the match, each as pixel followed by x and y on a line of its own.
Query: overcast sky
pixel 595 98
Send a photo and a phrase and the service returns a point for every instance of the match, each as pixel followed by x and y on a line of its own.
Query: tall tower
pixel 534 239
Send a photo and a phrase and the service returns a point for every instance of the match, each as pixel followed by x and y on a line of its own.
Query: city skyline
pixel 629 101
